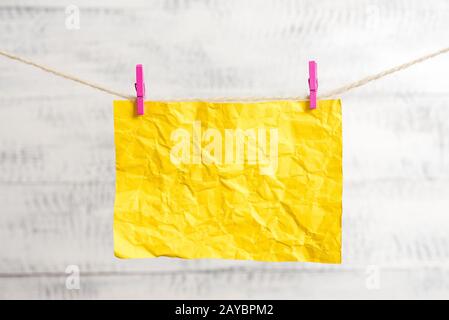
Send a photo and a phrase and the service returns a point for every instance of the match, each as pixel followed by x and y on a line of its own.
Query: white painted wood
pixel 57 152
pixel 231 283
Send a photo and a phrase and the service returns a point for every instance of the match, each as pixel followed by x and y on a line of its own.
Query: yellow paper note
pixel 252 181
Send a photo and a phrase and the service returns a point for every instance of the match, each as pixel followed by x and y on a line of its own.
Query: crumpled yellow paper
pixel 252 181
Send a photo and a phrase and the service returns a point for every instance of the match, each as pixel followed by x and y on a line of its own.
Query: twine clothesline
pixel 64 75
pixel 329 94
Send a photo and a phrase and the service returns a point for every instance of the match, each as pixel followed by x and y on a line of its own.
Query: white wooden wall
pixel 57 153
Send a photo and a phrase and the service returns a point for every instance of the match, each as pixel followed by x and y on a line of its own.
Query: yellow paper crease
pixel 252 181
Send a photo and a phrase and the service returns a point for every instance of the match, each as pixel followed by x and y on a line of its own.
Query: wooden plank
pixel 196 49
pixel 424 283
pixel 384 138
pixel 388 223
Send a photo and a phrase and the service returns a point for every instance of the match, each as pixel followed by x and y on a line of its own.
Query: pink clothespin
pixel 313 83
pixel 140 89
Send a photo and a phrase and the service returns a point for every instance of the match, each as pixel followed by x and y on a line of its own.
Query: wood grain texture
pixel 57 170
